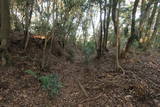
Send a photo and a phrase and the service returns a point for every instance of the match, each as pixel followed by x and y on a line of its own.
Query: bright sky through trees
pixel 96 18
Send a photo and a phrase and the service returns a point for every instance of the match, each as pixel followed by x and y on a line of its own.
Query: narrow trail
pixel 104 86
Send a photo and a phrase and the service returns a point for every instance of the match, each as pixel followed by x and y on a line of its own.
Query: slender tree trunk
pixel 151 19
pixel 104 25
pixel 5 20
pixel 156 26
pixel 107 24
pixel 53 22
pixel 115 18
pixel 0 16
pixel 93 27
pixel 144 15
pixel 26 25
pixel 56 11
pixel 46 40
pixel 99 51
pixel 141 27
pixel 5 29
pixel 133 33
pixel 28 22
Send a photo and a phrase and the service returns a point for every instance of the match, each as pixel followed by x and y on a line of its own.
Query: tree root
pixel 120 68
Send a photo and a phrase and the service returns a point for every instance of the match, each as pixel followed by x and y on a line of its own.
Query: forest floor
pixel 95 84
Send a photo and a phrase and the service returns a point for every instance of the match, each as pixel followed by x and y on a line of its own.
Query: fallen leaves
pixel 1 98
pixel 92 99
pixel 128 97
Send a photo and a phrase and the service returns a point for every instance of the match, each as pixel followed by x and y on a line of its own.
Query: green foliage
pixel 111 38
pixel 30 72
pixel 41 27
pixel 123 41
pixel 156 42
pixel 88 50
pixel 49 82
pixel 136 44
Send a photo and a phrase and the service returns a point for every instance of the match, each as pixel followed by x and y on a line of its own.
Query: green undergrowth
pixel 88 50
pixel 50 82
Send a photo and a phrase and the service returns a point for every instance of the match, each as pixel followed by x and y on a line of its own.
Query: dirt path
pixel 103 86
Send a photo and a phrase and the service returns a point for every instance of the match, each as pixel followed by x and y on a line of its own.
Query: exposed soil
pixel 94 85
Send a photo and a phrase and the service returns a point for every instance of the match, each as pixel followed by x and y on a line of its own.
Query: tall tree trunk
pixel 151 19
pixel 57 12
pixel 144 15
pixel 5 29
pixel 28 21
pixel 104 25
pixel 156 26
pixel 53 21
pixel 99 51
pixel 115 18
pixel 133 33
pixel 107 24
pixel 0 15
pixel 93 27
pixel 44 58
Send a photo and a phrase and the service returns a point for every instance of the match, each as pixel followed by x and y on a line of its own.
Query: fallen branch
pixel 91 99
pixel 82 88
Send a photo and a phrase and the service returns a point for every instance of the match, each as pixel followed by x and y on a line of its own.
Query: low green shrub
pixel 49 82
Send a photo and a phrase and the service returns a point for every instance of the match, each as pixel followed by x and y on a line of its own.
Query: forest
pixel 79 53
